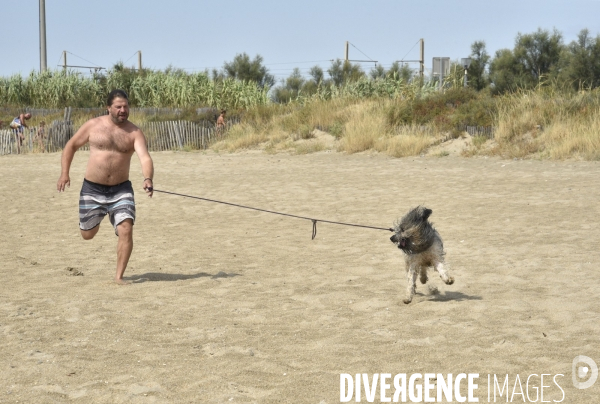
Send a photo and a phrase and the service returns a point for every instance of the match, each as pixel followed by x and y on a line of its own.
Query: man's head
pixel 117 105
pixel 27 116
pixel 223 112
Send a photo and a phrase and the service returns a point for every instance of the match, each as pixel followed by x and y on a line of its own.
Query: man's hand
pixel 62 181
pixel 148 187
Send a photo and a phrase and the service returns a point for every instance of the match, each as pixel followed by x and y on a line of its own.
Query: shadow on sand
pixel 166 277
pixel 456 296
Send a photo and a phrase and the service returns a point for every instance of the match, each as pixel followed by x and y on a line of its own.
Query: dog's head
pixel 413 233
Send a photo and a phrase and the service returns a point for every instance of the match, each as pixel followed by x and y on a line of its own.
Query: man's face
pixel 119 110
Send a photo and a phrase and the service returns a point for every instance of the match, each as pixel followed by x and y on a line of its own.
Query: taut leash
pixel 314 221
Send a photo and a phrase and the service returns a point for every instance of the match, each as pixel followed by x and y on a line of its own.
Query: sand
pixel 233 305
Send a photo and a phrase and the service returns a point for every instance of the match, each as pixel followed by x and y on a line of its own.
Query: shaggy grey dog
pixel 422 246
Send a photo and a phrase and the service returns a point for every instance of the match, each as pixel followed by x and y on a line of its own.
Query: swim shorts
pixel 97 201
pixel 16 126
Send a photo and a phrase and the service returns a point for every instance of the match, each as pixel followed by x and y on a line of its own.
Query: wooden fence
pixel 179 135
pixel 486 131
pixel 170 135
pixel 54 138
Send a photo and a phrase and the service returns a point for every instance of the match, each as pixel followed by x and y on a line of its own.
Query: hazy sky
pixel 196 35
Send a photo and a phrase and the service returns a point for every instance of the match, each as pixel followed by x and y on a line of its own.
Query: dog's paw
pixel 450 281
pixel 407 301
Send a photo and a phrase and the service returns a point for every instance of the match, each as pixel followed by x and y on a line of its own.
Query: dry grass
pixel 544 124
pixel 245 136
pixel 573 138
pixel 364 126
pixel 360 126
pixel 408 141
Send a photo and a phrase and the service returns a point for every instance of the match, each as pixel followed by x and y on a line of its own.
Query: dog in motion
pixel 422 246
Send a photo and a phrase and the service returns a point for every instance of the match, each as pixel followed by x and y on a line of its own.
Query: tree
pixel 404 72
pixel 506 74
pixel 378 72
pixel 344 72
pixel 534 57
pixel 395 72
pixel 295 81
pixel 291 88
pixel 296 85
pixel 582 61
pixel 317 74
pixel 242 68
pixel 479 61
pixel 539 53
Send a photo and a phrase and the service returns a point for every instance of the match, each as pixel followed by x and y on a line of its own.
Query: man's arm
pixel 79 139
pixel 141 148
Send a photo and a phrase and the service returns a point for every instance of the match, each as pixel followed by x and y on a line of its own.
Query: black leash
pixel 314 221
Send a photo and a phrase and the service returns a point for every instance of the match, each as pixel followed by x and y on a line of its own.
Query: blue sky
pixel 199 35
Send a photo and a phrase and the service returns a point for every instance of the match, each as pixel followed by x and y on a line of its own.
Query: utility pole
pixel 43 59
pixel 65 61
pixel 466 62
pixel 422 60
pixel 346 52
pixel 139 61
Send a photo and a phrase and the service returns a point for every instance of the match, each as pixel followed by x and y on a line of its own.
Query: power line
pixel 58 61
pixel 82 58
pixel 411 49
pixel 265 64
pixel 134 53
pixel 291 63
pixel 362 52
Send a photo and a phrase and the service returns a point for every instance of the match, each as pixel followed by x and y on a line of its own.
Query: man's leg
pixel 89 234
pixel 124 248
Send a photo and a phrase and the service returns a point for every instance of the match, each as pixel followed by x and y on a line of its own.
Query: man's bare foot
pixel 122 282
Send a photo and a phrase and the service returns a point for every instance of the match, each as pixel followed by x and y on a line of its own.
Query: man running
pixel 106 188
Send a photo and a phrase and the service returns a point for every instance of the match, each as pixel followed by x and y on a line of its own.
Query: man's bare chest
pixel 120 142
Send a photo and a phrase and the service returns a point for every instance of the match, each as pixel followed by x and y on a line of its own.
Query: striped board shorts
pixel 97 201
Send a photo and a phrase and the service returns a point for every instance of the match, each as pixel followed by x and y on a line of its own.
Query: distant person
pixel 106 187
pixel 41 135
pixel 17 126
pixel 221 123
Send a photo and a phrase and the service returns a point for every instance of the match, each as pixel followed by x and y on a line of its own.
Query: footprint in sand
pixel 73 271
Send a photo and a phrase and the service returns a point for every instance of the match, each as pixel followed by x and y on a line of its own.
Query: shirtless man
pixel 106 188
pixel 221 124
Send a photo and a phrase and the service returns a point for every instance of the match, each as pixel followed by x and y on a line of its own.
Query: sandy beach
pixel 233 305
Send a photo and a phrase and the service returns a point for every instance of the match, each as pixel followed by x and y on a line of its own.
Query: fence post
pixel 178 134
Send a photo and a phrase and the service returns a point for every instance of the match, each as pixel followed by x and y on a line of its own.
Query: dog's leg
pixel 439 266
pixel 423 273
pixel 411 289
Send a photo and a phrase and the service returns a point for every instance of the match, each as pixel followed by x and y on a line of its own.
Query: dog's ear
pixel 427 213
